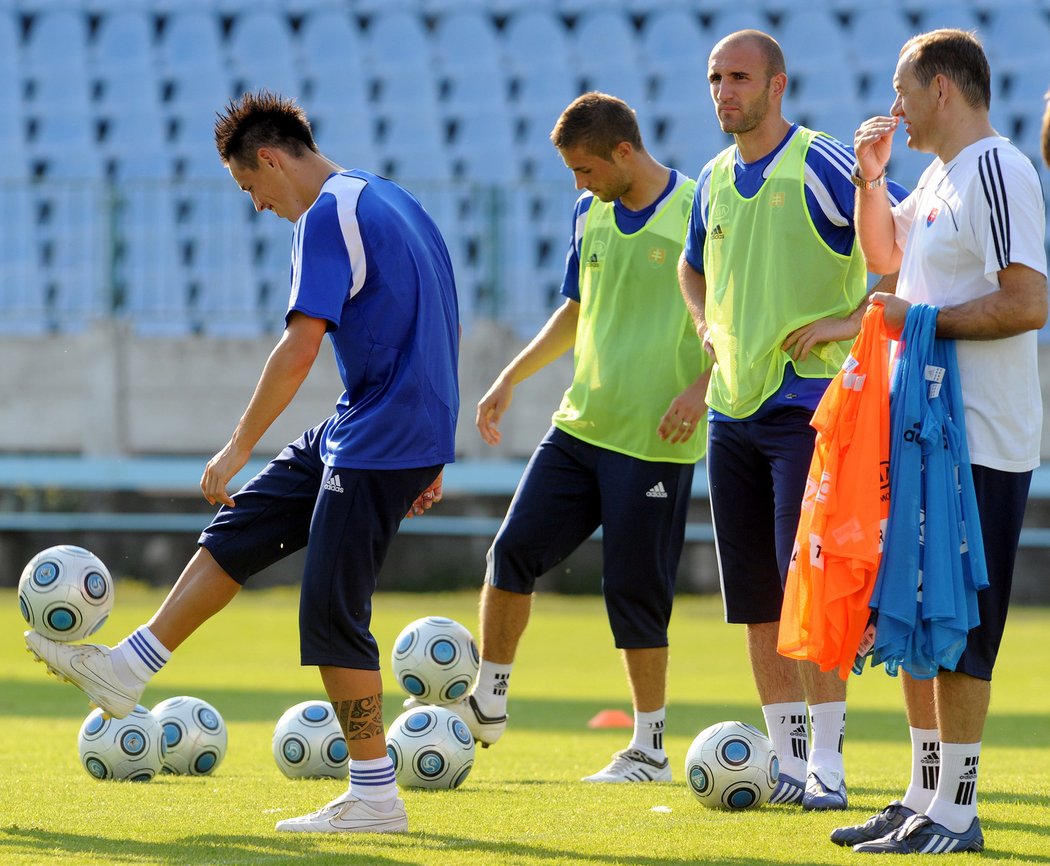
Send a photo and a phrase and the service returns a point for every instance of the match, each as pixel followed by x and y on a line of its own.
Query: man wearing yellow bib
pixel 776 284
pixel 630 427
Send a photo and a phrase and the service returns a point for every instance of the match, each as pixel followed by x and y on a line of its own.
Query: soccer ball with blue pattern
pixel 731 765
pixel 309 744
pixel 131 748
pixel 431 747
pixel 194 735
pixel 435 660
pixel 65 593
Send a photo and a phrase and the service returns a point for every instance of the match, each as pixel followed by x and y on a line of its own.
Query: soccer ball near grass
pixel 731 765
pixel 130 748
pixel 309 744
pixel 194 736
pixel 435 660
pixel 65 593
pixel 431 747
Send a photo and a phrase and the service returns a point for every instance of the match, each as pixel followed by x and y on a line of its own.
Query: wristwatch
pixel 861 183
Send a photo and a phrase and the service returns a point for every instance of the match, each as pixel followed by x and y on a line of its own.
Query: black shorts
pixel 569 489
pixel 1001 501
pixel 346 519
pixel 756 479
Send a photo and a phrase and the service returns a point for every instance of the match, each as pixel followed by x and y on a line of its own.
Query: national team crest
pixel 931 217
pixel 776 200
pixel 657 256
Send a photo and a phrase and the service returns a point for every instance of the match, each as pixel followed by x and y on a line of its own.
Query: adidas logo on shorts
pixel 334 484
pixel 657 491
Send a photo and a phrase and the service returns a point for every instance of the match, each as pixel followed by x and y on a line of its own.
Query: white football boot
pixel 485 729
pixel 632 765
pixel 347 814
pixel 88 667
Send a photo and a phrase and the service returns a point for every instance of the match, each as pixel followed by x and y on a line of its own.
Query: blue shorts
pixel 346 519
pixel 757 473
pixel 1001 501
pixel 569 489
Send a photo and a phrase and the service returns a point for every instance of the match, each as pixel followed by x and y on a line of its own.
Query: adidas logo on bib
pixel 657 491
pixel 334 484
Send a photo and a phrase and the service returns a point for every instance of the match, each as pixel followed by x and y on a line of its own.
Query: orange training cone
pixel 611 719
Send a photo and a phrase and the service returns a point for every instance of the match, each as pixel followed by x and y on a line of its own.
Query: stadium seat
pixel 262 54
pixel 813 41
pixel 396 42
pixel 465 40
pixel 531 28
pixel 1017 40
pixel 22 300
pixel 330 40
pixel 150 274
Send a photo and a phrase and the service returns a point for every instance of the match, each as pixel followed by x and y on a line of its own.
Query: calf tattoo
pixel 361 718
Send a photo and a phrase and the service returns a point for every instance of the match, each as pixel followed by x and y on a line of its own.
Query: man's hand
pixel 802 341
pixel 491 408
pixel 894 312
pixel 685 413
pixel 428 498
pixel 872 145
pixel 220 469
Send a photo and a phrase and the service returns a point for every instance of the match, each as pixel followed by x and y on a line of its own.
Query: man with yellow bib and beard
pixel 776 285
pixel 624 441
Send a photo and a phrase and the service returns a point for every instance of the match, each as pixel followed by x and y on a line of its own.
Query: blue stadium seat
pixel 262 54
pixel 531 28
pixel 396 41
pixel 330 40
pixel 150 272
pixel 1017 39
pixel 813 41
pixel 465 40
pixel 22 299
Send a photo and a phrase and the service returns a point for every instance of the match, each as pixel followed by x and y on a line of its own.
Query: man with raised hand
pixel 969 241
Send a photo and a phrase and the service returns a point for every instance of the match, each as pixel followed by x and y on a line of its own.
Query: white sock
pixel 925 768
pixel 829 732
pixel 490 689
pixel 373 780
pixel 789 734
pixel 138 657
pixel 955 803
pixel 649 733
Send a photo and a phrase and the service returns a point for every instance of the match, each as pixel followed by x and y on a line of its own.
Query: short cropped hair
pixel 765 43
pixel 956 54
pixel 261 119
pixel 597 122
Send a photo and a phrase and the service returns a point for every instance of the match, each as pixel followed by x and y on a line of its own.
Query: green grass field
pixel 522 803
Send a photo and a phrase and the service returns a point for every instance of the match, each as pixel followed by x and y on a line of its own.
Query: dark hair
pixel 956 54
pixel 765 43
pixel 259 120
pixel 597 122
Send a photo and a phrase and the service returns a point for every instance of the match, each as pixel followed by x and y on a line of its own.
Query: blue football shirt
pixel 368 259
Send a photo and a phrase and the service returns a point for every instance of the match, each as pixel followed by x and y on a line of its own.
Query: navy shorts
pixel 569 489
pixel 1001 501
pixel 346 519
pixel 756 478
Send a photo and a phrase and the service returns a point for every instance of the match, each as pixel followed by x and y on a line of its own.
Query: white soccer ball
pixel 309 744
pixel 435 660
pixel 194 735
pixel 431 747
pixel 732 765
pixel 129 748
pixel 65 593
